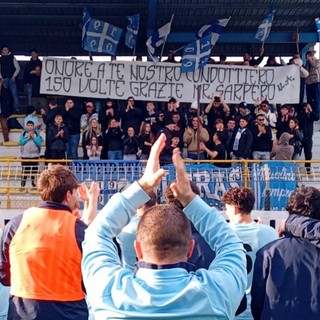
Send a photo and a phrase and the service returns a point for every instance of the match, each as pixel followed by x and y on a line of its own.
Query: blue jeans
pixel 194 156
pixel 296 156
pixel 261 155
pixel 72 146
pixel 29 93
pixel 115 155
pixel 12 86
pixel 129 157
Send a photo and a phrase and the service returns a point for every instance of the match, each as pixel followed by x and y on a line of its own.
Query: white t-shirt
pixel 254 236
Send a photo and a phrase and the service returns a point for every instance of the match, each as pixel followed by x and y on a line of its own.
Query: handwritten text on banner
pixel 160 82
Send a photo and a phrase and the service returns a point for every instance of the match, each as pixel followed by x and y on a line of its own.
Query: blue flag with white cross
pixel 132 31
pixel 101 37
pixel 196 54
pixel 265 26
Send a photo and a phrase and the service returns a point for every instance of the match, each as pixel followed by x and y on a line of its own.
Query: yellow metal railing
pixel 15 196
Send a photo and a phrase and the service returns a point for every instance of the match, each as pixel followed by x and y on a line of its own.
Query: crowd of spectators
pixel 127 129
pixel 217 131
pixel 171 254
pixel 278 277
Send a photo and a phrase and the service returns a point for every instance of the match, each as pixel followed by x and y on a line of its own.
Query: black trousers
pixel 29 169
pixel 307 149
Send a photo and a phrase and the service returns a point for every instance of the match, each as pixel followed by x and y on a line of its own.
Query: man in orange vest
pixel 41 251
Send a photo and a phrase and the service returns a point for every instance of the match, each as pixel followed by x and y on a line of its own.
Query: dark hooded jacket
pixel 286 279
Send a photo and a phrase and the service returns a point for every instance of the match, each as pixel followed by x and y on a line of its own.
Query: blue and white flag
pixel 196 54
pixel 273 183
pixel 265 27
pixel 215 29
pixel 85 22
pixel 101 37
pixel 132 31
pixel 318 27
pixel 158 38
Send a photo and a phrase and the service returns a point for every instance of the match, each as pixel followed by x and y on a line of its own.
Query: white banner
pixel 160 82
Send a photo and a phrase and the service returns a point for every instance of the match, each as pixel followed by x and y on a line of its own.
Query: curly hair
pixel 242 198
pixel 305 201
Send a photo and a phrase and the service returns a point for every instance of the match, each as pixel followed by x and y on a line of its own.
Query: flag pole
pixel 198 116
pixel 297 39
pixel 162 49
pixel 179 49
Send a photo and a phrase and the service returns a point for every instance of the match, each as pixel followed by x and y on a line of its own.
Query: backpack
pixel 13 123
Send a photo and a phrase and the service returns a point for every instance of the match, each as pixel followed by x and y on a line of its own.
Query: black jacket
pixel 58 143
pixel 132 118
pixel 130 145
pixel 245 144
pixel 71 118
pixel 306 121
pixel 113 139
pixel 286 278
pixel 31 65
pixel 263 142
pixel 104 118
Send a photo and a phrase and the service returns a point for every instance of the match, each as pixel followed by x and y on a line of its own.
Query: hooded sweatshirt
pixel 282 150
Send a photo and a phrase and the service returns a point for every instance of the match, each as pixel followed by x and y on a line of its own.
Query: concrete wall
pixel 268 217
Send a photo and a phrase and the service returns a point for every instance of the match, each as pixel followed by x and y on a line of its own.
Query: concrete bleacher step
pixel 11 149
pixel 14 136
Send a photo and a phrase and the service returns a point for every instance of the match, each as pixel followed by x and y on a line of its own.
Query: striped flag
pixel 101 37
pixel 158 38
pixel 215 29
pixel 85 22
pixel 318 27
pixel 196 54
pixel 265 27
pixel 132 31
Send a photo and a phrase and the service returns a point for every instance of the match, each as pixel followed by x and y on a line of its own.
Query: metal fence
pixel 272 179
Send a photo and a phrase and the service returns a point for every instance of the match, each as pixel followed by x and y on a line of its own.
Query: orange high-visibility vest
pixel 45 259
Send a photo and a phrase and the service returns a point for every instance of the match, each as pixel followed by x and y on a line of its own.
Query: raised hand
pixel 181 188
pixel 90 197
pixel 153 174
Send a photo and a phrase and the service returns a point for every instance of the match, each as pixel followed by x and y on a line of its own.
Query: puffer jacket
pixel 313 67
